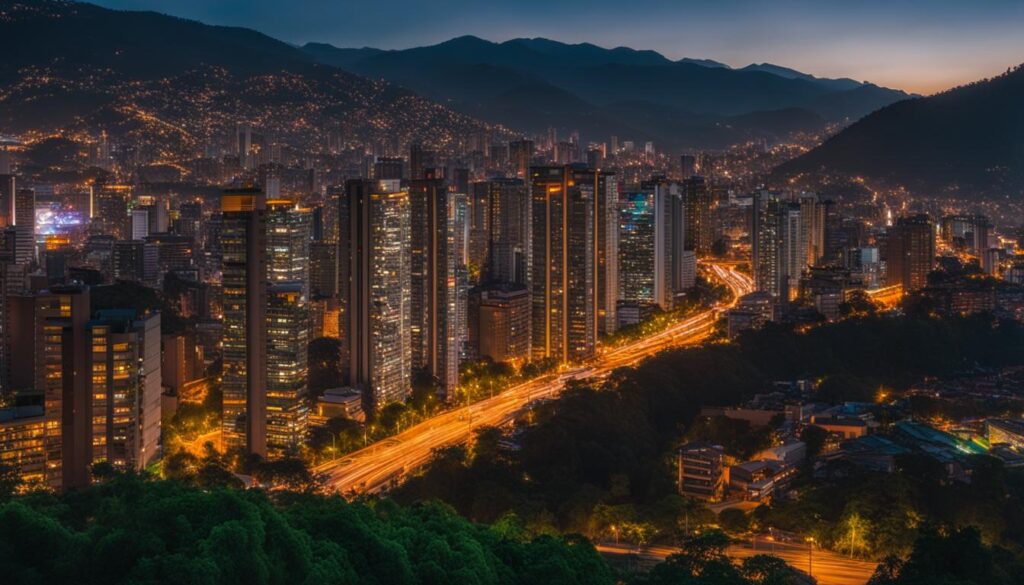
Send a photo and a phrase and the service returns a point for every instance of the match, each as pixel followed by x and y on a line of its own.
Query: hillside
pixel 170 86
pixel 589 85
pixel 968 139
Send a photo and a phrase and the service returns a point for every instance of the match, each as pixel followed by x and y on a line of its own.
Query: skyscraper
pixel 434 282
pixel 653 264
pixel 8 188
pixel 478 218
pixel 25 226
pixel 110 210
pixel 509 220
pixel 125 388
pixel 420 159
pixel 699 216
pixel 244 382
pixel 572 273
pixel 812 227
pixel 520 153
pixel 387 169
pixel 767 243
pixel 61 361
pixel 288 335
pixel 323 269
pixel 606 256
pixel 910 255
pixel 373 253
pixel 637 247
pixel 289 229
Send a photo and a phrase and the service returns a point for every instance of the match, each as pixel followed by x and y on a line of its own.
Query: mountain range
pixel 172 85
pixel 533 84
pixel 968 140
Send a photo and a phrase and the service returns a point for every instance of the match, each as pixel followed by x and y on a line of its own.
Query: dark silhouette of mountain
pixel 704 62
pixel 969 139
pixel 152 77
pixel 481 78
pixel 841 84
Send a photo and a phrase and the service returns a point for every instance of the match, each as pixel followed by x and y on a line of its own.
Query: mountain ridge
pixel 470 74
pixel 967 139
pixel 175 85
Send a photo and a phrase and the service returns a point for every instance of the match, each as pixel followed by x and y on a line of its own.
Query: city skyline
pixel 525 312
pixel 903 45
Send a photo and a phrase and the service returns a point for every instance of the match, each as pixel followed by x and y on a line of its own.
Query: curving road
pixel 827 567
pixel 378 466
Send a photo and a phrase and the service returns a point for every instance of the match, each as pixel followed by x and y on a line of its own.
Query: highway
pixel 386 462
pixel 827 567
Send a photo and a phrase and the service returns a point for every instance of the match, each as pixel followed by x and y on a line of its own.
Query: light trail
pixel 386 462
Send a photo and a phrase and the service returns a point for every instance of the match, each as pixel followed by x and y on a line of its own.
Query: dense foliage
pixel 871 514
pixel 598 456
pixel 134 531
pixel 953 558
pixel 703 562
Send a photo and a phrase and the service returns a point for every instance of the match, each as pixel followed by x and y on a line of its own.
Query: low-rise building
pixel 701 471
pixel 758 480
pixel 335 402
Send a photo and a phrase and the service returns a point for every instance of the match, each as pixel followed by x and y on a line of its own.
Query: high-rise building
pixel 637 248
pixel 767 239
pixel 25 226
pixel 110 210
pixel 794 247
pixel 288 336
pixel 173 252
pixel 653 264
pixel 8 189
pixel 243 241
pixel 520 153
pixel 62 357
pixel 373 254
pixel 323 269
pixel 699 208
pixel 128 260
pixel 812 227
pixel 420 159
pixel 434 282
pixel 910 254
pixel 140 223
pixel 688 165
pixel 478 228
pixel 509 221
pixel 388 169
pixel 574 224
pixel 606 257
pixel 289 229
pixel 125 386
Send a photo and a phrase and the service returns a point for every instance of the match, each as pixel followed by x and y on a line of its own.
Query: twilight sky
pixel 917 45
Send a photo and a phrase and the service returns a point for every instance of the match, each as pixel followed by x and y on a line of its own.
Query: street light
pixel 810 556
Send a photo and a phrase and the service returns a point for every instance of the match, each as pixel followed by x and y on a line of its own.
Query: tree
pixel 10 481
pixel 858 303
pixel 768 570
pixel 128 530
pixel 854 535
pixel 734 520
pixel 814 437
